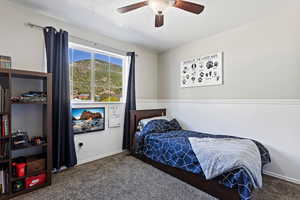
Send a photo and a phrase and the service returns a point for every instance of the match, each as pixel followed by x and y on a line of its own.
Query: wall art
pixel 203 71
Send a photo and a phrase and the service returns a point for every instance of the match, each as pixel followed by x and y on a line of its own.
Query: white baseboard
pixel 97 157
pixel 285 178
pixel 275 175
pixel 101 156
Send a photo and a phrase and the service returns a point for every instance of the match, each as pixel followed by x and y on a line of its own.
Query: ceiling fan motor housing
pixel 159 6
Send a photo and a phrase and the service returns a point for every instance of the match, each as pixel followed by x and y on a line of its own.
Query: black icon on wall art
pixel 209 65
pixel 193 66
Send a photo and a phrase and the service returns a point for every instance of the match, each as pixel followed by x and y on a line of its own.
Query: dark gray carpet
pixel 122 177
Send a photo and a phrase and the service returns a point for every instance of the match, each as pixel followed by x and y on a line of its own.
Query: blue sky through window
pixel 76 55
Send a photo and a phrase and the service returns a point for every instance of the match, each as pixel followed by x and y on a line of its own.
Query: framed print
pixel 88 119
pixel 203 71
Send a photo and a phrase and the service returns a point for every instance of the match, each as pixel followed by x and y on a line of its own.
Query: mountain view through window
pixel 95 76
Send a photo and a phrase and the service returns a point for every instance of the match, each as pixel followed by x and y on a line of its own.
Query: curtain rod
pixel 75 37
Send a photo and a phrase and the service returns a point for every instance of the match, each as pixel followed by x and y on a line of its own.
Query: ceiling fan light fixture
pixel 159 6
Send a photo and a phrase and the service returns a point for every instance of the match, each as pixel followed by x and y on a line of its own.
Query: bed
pixel 232 185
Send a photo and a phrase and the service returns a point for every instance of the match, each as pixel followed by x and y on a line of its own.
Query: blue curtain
pixel 56 43
pixel 130 101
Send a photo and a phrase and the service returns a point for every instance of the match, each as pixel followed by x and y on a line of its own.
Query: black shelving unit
pixel 6 81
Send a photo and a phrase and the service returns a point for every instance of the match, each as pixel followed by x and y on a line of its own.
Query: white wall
pixel 26 47
pixel 274 123
pixel 261 60
pixel 108 142
pixel 100 144
pixel 260 95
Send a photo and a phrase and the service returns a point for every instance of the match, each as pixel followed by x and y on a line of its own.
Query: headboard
pixel 137 115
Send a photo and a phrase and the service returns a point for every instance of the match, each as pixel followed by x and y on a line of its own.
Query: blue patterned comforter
pixel 173 148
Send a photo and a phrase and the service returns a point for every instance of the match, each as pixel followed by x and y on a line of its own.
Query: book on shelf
pixel 5 62
pixel 4 130
pixel 3 99
pixel 4 150
pixel 3 180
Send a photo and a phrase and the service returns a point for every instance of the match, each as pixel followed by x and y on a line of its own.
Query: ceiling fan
pixel 160 6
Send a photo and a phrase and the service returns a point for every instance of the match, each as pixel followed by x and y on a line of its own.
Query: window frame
pixel 94 51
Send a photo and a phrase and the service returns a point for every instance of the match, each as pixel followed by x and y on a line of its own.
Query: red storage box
pixel 35 180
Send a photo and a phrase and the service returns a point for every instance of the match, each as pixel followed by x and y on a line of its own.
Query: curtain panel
pixel 56 43
pixel 130 101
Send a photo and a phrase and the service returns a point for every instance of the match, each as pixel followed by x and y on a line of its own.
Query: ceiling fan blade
pixel 159 20
pixel 132 7
pixel 189 6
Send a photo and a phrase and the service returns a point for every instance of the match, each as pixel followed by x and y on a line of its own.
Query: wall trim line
pixel 233 101
pixel 98 157
pixel 285 178
pixel 147 100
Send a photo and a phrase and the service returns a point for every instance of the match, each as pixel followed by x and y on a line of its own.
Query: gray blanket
pixel 220 155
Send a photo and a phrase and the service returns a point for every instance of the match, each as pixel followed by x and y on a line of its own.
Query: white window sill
pixel 93 103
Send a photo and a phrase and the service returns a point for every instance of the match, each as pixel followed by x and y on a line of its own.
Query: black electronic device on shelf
pixel 20 139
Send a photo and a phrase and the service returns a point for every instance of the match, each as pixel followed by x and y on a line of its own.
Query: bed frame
pixel 211 187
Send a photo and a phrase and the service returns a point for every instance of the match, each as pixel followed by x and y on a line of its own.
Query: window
pixel 94 75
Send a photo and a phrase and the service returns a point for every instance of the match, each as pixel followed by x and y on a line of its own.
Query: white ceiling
pixel 138 26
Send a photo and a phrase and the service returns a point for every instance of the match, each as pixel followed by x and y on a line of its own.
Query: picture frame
pixel 203 71
pixel 89 119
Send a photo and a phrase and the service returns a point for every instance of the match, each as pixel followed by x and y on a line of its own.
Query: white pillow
pixel 142 123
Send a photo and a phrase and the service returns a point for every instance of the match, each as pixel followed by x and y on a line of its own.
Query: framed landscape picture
pixel 88 119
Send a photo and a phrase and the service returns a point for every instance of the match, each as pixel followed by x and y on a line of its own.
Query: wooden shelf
pixel 30 146
pixel 4 161
pixel 5 71
pixel 34 102
pixel 15 73
pixel 24 191
pixel 4 137
pixel 23 177
pixel 3 196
